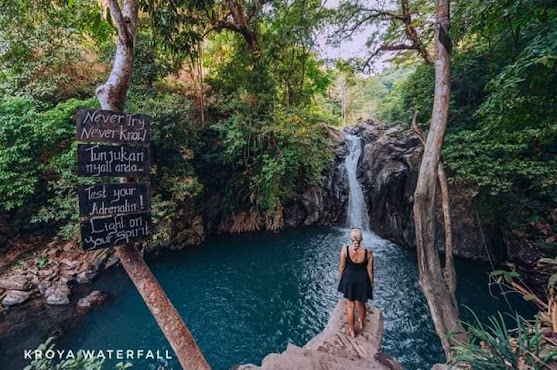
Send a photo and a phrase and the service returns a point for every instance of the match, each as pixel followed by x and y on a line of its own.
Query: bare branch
pixel 219 25
pixel 417 130
pixel 374 14
pixel 394 47
pixel 238 24
pixel 385 13
pixel 410 32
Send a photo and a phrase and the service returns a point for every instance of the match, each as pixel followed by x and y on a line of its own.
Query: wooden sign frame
pixel 112 199
pixel 95 160
pixel 95 125
pixel 106 232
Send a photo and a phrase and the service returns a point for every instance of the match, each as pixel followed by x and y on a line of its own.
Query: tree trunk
pixel 449 272
pixel 442 304
pixel 112 96
pixel 169 320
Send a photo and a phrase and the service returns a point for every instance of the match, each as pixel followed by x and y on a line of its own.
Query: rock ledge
pixel 333 348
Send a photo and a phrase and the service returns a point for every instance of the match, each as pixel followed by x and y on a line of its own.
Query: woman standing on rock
pixel 356 278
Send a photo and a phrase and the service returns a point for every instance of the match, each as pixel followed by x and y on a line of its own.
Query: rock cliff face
pixel 388 172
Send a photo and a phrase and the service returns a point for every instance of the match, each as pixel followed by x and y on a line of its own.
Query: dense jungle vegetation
pixel 243 102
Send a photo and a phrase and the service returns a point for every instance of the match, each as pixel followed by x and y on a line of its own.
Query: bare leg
pixel 350 316
pixel 361 314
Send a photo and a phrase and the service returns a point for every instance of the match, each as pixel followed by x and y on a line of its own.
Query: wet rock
pixel 64 280
pixel 70 264
pixel 48 273
pixel 95 298
pixel 293 215
pixel 96 259
pixel 188 231
pixel 111 261
pixel 34 280
pixel 388 172
pixel 461 366
pixel 16 282
pixel 70 245
pixel 58 294
pixel 312 201
pixel 13 297
pixel 43 286
pixel 85 277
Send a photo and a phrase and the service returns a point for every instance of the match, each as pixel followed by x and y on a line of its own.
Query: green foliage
pixel 268 130
pixel 33 143
pixel 57 198
pixel 18 153
pixel 238 103
pixel 501 133
pixel 42 261
pixel 495 346
pixel 511 154
pixel 507 276
pixel 173 180
pixel 273 154
pixel 407 95
pixel 174 139
pixel 46 50
pixel 518 131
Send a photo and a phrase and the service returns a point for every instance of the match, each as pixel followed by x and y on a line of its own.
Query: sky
pixel 356 47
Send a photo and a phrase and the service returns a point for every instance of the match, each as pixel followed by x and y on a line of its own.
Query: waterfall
pixel 357 215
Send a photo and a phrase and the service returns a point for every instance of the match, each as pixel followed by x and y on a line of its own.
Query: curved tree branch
pixel 112 94
pixel 449 271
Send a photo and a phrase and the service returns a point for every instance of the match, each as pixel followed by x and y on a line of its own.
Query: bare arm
pixel 342 264
pixel 370 266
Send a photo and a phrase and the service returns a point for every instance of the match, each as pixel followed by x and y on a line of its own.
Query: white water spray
pixel 357 211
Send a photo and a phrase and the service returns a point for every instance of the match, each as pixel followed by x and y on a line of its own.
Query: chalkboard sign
pixel 127 205
pixel 112 127
pixel 111 160
pixel 112 199
pixel 116 230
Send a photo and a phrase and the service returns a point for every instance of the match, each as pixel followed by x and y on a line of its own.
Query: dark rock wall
pixel 388 171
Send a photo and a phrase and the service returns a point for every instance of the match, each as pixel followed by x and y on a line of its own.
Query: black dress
pixel 354 282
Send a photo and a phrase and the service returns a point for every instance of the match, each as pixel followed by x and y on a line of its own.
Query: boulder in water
pixel 95 298
pixel 312 201
pixel 13 297
pixel 85 277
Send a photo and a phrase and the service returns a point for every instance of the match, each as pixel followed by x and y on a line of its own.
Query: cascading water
pixel 357 215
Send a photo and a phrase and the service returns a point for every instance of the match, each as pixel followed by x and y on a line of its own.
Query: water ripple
pixel 246 296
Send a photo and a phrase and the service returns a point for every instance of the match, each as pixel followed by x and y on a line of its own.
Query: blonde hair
pixel 356 234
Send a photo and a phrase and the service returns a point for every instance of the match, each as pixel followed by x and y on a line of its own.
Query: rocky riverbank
pixel 51 272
